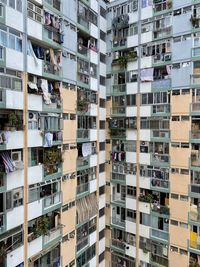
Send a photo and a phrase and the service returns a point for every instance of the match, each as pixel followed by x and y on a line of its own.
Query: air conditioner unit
pixel 16 156
pixel 32 116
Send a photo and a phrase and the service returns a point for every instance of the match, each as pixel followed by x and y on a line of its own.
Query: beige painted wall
pixel 69 101
pixel 180 130
pixel 180 157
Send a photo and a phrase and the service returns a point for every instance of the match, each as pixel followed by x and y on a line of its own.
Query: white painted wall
pixel 92 238
pixel 14 59
pixel 35 102
pixel 34 209
pixel 145 158
pixel 102 245
pixel 16 140
pixel 14 99
pixel 14 179
pixel 93 84
pixel 34 29
pixel 93 160
pixel 34 247
pixel 93 185
pixel 14 19
pixel 15 217
pixel 35 138
pixel 35 174
pixel 15 257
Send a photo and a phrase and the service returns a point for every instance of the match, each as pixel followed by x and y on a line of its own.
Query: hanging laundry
pixel 8 163
pixel 44 86
pixel 47 17
pixel 86 149
pixel 146 75
pixel 48 140
pixel 31 52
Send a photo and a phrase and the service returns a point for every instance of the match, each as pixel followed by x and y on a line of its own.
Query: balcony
pixel 54 235
pixel 54 3
pixel 50 70
pixel 83 135
pixel 160 135
pixel 195 159
pixel 118 245
pixel 195 80
pixel 161 185
pixel 82 50
pixel 160 261
pixel 82 189
pixel 82 244
pixel 118 222
pixel 194 214
pixel 2 222
pixel 162 59
pixel 158 110
pixel 119 43
pixel 82 163
pixel 83 23
pixel 162 6
pixel 118 199
pixel 159 235
pixel 52 171
pixel 118 111
pixel 161 210
pixel 195 108
pixel 160 160
pixel 118 178
pixel 52 201
pixel 119 89
pixel 195 136
pixel 117 134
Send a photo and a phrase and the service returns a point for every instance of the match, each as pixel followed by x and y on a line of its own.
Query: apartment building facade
pixel 52 147
pixel 153 125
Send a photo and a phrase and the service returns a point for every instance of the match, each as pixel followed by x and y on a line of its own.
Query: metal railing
pixel 159 158
pixel 82 244
pixel 82 21
pixel 118 177
pixel 195 79
pixel 160 209
pixel 52 200
pixel 118 111
pixel 119 88
pixel 82 161
pixel 52 235
pixel 160 260
pixel 160 183
pixel 83 50
pixel 83 133
pixel 118 198
pixel 82 188
pixel 118 244
pixel 159 234
pixel 160 133
pixel 162 108
pixel 51 69
pixel 162 58
pixel 118 221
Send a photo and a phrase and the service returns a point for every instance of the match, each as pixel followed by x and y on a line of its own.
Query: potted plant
pixel 123 61
pixel 83 105
pixel 12 121
pixel 169 4
pixel 41 227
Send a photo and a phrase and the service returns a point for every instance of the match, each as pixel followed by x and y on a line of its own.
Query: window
pixel 174 196
pixel 184 225
pixel 101 212
pixel 183 252
pixel 102 12
pixel 102 125
pixel 16 4
pixel 183 198
pixel 102 80
pixel 101 257
pixel 102 167
pixel 102 146
pixel 102 190
pixel 174 249
pixel 173 222
pixel 102 35
pixel 101 234
pixel 102 58
pixel 102 103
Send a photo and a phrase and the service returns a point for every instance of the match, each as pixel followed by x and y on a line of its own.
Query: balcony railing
pixel 82 133
pixel 195 135
pixel 159 184
pixel 52 200
pixel 82 162
pixel 119 88
pixel 195 79
pixel 162 58
pixel 164 108
pixel 118 222
pixel 52 169
pixel 120 111
pixel 83 243
pixel 118 244
pixel 2 222
pixel 161 134
pixel 195 107
pixel 163 83
pixel 159 234
pixel 52 235
pixel 82 188
pixel 83 50
pixel 51 69
pixel 54 3
pixel 159 260
pixel 118 177
pixel 118 198
pixel 161 7
pixel 119 42
pixel 83 22
pixel 164 210
pixel 160 159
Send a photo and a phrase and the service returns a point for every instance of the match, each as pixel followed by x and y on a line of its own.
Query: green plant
pixel 123 61
pixel 82 105
pixel 52 156
pixel 169 4
pixel 164 210
pixel 42 226
pixel 12 119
